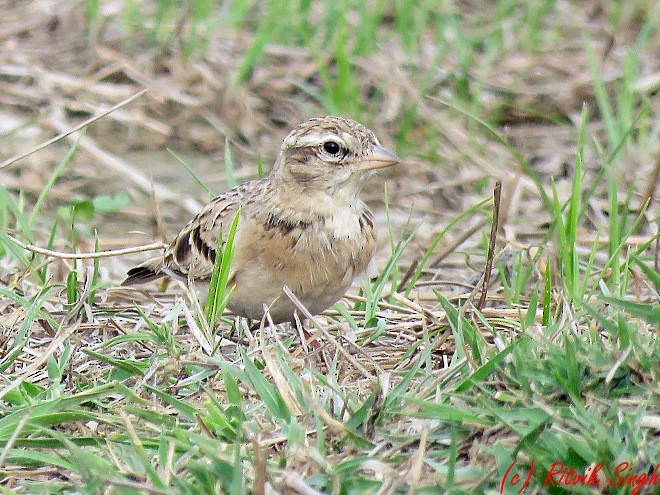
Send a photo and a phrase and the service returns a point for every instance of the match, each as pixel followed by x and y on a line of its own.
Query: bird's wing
pixel 193 252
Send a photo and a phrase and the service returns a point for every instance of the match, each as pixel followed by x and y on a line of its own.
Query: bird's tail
pixel 145 272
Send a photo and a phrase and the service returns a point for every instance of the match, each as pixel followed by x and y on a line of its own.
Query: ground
pixel 476 360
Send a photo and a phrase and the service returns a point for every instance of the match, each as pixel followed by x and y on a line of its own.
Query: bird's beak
pixel 379 157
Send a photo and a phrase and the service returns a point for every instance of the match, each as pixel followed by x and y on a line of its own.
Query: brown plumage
pixel 303 226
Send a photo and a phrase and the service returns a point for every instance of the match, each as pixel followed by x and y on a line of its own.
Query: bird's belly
pixel 253 292
pixel 319 275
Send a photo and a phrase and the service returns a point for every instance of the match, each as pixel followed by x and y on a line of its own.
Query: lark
pixel 304 226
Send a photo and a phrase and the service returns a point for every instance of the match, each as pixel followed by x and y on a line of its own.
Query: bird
pixel 303 226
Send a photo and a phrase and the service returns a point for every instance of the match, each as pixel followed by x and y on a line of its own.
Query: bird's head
pixel 331 154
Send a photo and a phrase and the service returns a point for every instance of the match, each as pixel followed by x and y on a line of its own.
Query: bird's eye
pixel 331 147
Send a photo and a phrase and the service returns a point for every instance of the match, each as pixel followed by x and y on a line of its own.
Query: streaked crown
pixel 334 138
pixel 330 153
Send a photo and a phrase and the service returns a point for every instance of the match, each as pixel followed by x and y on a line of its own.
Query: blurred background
pixel 227 80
